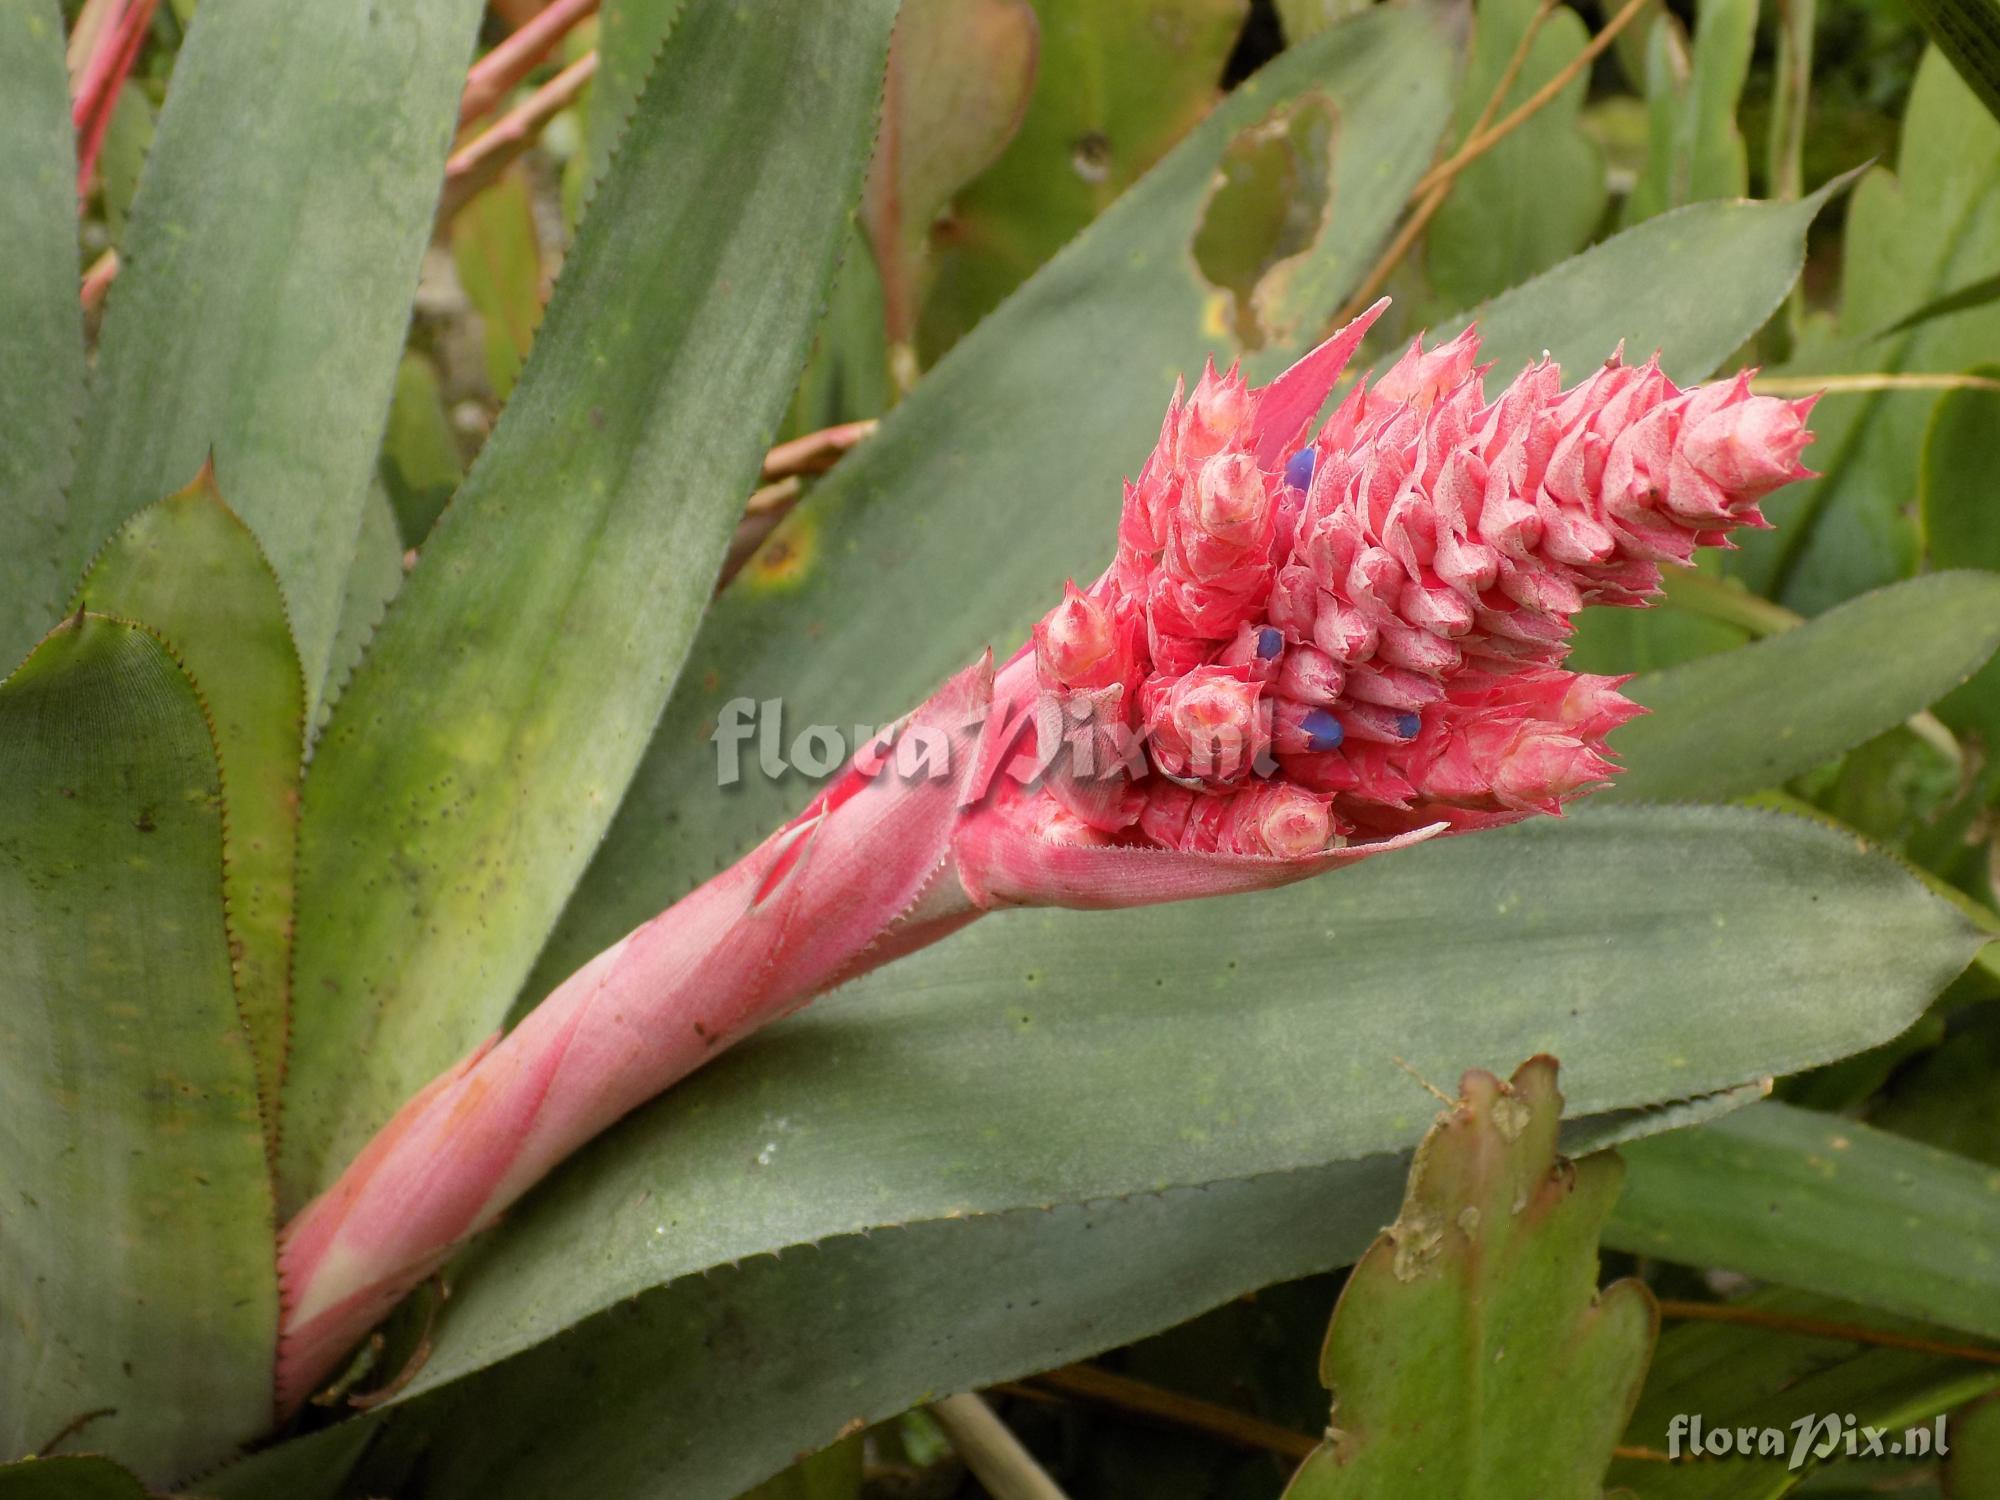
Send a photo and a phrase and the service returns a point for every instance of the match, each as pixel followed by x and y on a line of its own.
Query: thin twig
pixel 1821 1328
pixel 484 157
pixel 97 281
pixel 816 452
pixel 992 1452
pixel 489 79
pixel 1427 206
pixel 1137 1398
pixel 1485 140
pixel 1861 385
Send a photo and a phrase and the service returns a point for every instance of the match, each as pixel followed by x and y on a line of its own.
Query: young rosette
pixel 1308 649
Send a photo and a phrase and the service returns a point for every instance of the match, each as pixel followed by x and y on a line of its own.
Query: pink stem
pixel 862 876
pixel 113 52
pixel 489 79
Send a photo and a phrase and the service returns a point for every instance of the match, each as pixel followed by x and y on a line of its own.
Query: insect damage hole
pixel 1268 205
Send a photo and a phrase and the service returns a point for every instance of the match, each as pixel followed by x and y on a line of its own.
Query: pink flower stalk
pixel 1306 651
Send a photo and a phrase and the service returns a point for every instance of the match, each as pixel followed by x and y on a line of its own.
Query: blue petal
pixel 1269 643
pixel 1407 725
pixel 1322 729
pixel 1299 469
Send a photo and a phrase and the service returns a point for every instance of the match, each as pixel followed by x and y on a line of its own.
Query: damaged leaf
pixel 1471 1353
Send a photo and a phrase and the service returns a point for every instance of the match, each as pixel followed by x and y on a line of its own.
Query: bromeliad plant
pixel 277 851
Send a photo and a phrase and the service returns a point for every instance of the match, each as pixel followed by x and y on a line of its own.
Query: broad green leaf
pixel 1824 1204
pixel 68 1477
pixel 499 262
pixel 478 753
pixel 421 465
pixel 1694 149
pixel 1805 1388
pixel 998 476
pixel 709 1384
pixel 1929 228
pixel 1968 32
pixel 1046 1057
pixel 1756 716
pixel 136 1265
pixel 119 160
pixel 266 287
pixel 41 330
pixel 631 37
pixel 1693 284
pixel 372 584
pixel 960 73
pixel 847 377
pixel 1472 1354
pixel 1965 298
pixel 1535 198
pixel 1118 85
pixel 187 568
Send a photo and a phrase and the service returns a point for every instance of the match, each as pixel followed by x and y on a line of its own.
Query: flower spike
pixel 1309 648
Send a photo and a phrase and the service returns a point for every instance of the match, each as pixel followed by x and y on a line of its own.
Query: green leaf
pixel 1958 509
pixel 751 1362
pixel 1535 198
pixel 1695 150
pixel 1734 1376
pixel 41 328
pixel 187 568
pixel 1978 294
pixel 135 1203
pixel 1967 32
pixel 123 155
pixel 1118 86
pixel 1974 1465
pixel 1824 1204
pixel 372 583
pixel 1471 1353
pixel 960 73
pixel 1756 716
pixel 1931 227
pixel 1001 1041
pixel 831 1474
pixel 69 1477
pixel 1693 284
pixel 421 465
pixel 268 268
pixel 499 263
pixel 998 476
pixel 479 752
pixel 631 37
pixel 1950 1097
pixel 1305 19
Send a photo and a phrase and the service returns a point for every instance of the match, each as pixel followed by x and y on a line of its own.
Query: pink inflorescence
pixel 1364 634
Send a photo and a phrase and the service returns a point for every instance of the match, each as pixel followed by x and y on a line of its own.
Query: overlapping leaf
pixel 41 331
pixel 477 755
pixel 136 1266
pixel 1823 1204
pixel 188 568
pixel 1754 717
pixel 267 279
pixel 1930 228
